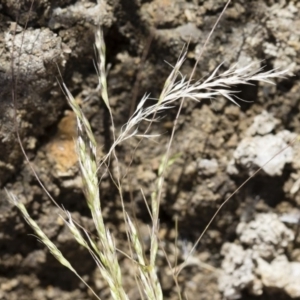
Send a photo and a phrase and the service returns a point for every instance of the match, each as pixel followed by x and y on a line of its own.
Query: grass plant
pixel 177 89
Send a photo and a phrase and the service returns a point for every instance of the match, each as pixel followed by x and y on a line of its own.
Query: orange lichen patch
pixel 61 150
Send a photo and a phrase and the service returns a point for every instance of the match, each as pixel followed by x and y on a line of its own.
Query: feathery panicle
pixel 86 149
pixel 148 276
pixel 215 85
pixel 44 239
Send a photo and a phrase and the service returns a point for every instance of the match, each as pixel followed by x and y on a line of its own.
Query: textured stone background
pixel 213 141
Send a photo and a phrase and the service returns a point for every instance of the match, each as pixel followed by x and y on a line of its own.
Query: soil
pixel 48 42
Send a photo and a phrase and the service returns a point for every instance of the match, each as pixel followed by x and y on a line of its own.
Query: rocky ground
pixel 251 250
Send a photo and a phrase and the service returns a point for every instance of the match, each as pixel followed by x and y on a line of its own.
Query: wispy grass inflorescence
pixel 86 149
pixel 44 239
pixel 215 85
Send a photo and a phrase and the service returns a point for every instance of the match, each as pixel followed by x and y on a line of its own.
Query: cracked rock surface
pixel 216 147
